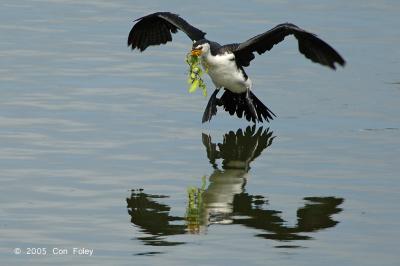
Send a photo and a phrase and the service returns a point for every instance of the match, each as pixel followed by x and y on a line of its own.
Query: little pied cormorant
pixel 225 62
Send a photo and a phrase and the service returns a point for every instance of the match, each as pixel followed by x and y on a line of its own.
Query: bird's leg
pixel 251 106
pixel 211 108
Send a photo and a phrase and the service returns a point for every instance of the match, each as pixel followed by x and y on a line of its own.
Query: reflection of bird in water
pixel 225 200
pixel 236 151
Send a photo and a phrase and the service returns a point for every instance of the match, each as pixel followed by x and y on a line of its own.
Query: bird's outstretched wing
pixel 310 45
pixel 156 29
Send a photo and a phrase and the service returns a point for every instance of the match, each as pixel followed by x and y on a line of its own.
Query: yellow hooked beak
pixel 196 52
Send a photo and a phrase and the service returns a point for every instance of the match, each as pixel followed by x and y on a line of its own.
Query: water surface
pixel 103 148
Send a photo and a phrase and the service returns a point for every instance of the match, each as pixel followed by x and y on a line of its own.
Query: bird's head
pixel 200 47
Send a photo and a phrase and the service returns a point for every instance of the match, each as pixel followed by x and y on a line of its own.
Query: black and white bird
pixel 225 62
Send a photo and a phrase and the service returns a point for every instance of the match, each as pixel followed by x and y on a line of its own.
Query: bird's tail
pixel 245 105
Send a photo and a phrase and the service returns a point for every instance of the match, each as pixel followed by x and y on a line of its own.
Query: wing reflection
pixel 222 198
pixel 153 218
pixel 314 216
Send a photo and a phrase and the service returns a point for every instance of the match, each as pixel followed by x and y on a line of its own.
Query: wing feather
pixel 156 29
pixel 310 46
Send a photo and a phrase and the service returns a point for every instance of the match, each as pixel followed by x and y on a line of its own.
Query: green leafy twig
pixel 195 74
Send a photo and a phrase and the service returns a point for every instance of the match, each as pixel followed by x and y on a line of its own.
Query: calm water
pixel 102 148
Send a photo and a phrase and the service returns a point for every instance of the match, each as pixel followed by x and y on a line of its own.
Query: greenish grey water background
pixel 84 121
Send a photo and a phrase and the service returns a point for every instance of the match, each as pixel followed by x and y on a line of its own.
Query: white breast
pixel 224 73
